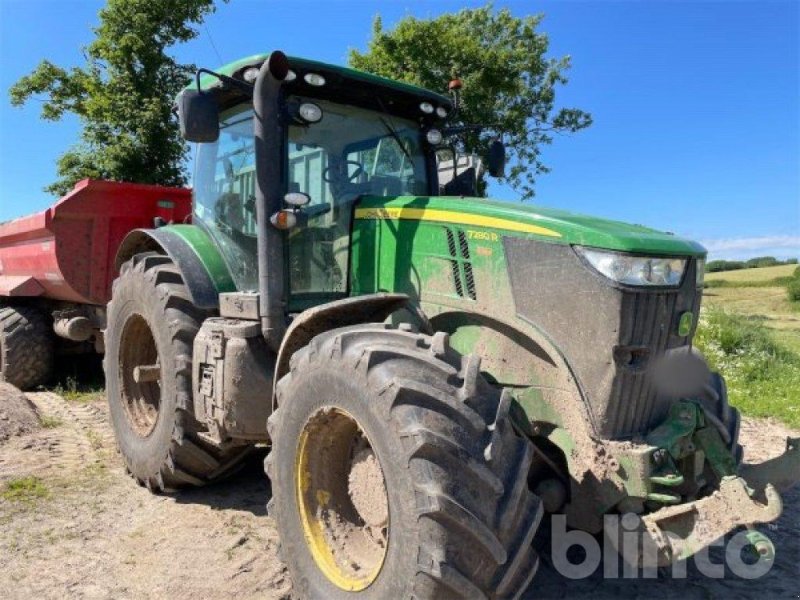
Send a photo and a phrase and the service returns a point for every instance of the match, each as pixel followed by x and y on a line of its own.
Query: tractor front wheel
pixel 152 324
pixel 396 472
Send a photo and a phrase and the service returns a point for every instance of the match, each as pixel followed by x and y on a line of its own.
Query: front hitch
pixel 677 532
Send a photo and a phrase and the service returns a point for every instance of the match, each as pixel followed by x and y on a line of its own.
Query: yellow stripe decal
pixel 450 216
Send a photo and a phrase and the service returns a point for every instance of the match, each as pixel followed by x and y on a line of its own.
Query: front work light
pixel 434 137
pixel 310 112
pixel 314 79
pixel 635 270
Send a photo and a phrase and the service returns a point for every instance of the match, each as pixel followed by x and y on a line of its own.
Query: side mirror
pixel 496 159
pixel 198 114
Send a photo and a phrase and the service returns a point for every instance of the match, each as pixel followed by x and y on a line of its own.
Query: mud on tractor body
pixel 432 372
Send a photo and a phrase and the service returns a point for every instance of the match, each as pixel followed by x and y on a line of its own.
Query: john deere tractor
pixel 432 371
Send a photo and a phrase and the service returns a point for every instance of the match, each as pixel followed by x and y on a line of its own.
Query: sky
pixel 696 104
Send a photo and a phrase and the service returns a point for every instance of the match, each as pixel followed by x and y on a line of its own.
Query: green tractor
pixel 432 371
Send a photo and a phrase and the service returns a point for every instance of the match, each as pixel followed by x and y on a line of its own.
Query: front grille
pixel 607 333
pixel 633 405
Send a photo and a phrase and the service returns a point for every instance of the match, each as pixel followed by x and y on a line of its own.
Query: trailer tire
pixel 151 319
pixel 26 347
pixel 459 515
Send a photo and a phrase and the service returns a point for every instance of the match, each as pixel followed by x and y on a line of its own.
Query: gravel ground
pixel 88 531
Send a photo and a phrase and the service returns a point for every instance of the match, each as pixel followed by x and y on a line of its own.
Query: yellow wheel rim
pixel 342 499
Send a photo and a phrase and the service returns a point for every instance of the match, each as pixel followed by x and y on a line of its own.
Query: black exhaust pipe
pixel 270 158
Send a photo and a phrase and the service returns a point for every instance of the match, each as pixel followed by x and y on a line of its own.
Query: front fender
pixel 193 251
pixel 371 308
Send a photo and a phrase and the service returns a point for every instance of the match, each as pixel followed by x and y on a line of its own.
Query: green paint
pixel 685 324
pixel 209 255
pixel 674 434
pixel 573 228
pixel 717 453
pixel 304 65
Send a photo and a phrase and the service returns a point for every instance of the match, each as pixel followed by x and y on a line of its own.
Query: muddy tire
pixel 152 323
pixel 714 398
pixel 454 517
pixel 26 347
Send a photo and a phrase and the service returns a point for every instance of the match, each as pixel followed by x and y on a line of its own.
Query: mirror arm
pixel 243 86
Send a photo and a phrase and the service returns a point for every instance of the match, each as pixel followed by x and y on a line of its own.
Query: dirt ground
pixel 83 529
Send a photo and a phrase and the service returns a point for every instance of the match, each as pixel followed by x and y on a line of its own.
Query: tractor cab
pixel 339 135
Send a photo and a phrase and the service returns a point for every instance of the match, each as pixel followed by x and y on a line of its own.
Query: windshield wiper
pixel 392 131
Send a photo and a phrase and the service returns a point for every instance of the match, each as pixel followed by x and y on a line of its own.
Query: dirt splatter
pixel 367 489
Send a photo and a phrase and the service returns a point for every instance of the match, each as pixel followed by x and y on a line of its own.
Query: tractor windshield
pixel 350 152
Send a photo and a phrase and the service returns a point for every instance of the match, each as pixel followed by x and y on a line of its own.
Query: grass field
pixel 762 274
pixel 750 332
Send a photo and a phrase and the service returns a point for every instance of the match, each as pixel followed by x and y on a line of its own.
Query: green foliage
pixel 762 261
pixel 763 376
pixel 793 287
pixel 715 266
pixel 123 95
pixel 509 82
pixel 24 489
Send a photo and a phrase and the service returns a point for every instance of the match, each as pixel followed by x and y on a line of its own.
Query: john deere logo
pixel 685 324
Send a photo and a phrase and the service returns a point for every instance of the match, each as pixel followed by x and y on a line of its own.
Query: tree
pixel 123 95
pixel 509 83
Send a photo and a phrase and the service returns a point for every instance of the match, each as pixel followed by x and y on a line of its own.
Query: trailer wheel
pixel 152 324
pixel 26 347
pixel 396 472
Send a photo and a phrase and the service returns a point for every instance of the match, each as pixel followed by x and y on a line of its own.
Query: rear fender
pixel 193 251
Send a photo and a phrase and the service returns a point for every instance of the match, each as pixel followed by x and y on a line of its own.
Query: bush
pixel 763 376
pixel 793 289
pixel 724 265
pixel 762 261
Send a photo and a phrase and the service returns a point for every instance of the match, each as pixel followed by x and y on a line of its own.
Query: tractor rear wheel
pixel 26 347
pixel 152 324
pixel 396 472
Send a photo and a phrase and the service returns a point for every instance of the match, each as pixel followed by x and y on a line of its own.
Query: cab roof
pixel 303 65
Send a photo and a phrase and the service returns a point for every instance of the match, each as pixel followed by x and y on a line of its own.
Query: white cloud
pixel 780 246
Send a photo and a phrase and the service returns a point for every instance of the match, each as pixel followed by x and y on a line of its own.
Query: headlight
pixel 636 270
pixel 426 107
pixel 701 271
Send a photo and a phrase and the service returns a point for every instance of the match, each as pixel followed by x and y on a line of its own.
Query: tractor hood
pixel 527 220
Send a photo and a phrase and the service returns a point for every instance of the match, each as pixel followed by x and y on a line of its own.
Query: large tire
pixel 26 347
pixel 461 519
pixel 714 397
pixel 151 320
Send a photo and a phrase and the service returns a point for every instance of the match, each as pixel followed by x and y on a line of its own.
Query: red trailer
pixel 57 267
